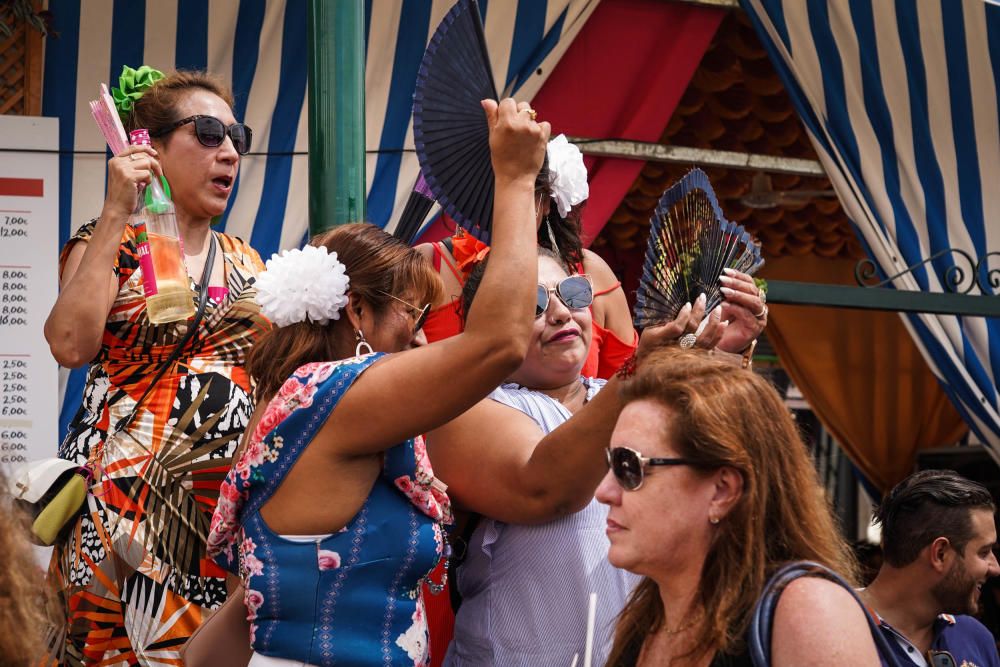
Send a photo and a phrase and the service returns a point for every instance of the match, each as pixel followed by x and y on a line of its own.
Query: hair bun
pixel 133 84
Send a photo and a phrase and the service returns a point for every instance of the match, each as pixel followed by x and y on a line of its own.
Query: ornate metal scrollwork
pixel 955 279
pixel 990 280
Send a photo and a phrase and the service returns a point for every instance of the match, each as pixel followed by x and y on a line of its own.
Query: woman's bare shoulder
pixel 598 270
pixel 821 621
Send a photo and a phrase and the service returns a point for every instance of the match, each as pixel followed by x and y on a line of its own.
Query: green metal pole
pixel 336 113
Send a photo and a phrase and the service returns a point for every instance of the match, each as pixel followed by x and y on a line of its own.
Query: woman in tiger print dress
pixel 132 569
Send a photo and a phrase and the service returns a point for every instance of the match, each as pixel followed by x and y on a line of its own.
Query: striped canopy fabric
pixel 901 102
pixel 259 46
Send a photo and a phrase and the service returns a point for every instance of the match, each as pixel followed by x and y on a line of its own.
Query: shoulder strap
pixel 761 623
pixel 300 426
pixel 206 274
pixel 438 253
pixel 608 290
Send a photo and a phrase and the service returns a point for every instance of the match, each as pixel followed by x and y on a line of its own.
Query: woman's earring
pixel 362 343
pixel 713 520
pixel 552 236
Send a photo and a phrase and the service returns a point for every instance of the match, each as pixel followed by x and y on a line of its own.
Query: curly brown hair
pixel 25 596
pixel 727 416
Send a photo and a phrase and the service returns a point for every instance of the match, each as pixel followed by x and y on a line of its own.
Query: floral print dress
pixel 133 572
pixel 350 598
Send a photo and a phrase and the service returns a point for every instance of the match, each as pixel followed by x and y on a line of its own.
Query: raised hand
pixel 126 173
pixel 743 308
pixel 517 143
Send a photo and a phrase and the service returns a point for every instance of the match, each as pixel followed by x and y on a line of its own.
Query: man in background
pixel 938 536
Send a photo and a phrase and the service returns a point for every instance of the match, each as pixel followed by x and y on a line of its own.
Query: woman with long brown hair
pixel 710 491
pixel 332 513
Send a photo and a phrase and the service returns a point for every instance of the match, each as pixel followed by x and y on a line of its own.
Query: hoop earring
pixel 362 343
pixel 552 236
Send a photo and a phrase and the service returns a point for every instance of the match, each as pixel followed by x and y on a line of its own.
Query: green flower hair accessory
pixel 133 85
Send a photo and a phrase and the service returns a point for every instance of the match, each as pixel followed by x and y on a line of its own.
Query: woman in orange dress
pixel 132 570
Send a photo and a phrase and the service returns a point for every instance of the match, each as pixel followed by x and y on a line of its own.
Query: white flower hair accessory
pixel 567 174
pixel 299 285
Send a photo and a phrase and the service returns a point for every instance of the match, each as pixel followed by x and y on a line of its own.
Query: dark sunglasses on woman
pixel 211 132
pixel 629 465
pixel 575 292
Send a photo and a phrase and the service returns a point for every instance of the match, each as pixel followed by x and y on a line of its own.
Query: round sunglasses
pixel 211 132
pixel 629 465
pixel 575 292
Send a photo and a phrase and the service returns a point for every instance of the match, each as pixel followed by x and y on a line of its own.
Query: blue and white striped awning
pixel 260 47
pixel 900 99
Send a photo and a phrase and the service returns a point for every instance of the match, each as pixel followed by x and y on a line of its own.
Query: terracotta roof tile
pixel 736 102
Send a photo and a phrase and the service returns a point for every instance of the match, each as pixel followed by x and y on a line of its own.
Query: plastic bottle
pixel 161 253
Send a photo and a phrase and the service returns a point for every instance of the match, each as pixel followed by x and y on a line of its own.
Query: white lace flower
pixel 567 174
pixel 299 285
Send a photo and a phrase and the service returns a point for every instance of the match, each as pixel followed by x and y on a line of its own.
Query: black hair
pixel 925 506
pixel 566 230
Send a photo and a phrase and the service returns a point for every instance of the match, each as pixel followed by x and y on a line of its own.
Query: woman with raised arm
pixel 332 514
pixel 133 571
pixel 527 460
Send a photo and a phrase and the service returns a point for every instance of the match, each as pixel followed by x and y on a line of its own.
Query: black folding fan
pixel 690 242
pixel 450 131
pixel 418 205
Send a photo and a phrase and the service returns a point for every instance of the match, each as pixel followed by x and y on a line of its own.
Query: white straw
pixel 589 649
pixel 576 656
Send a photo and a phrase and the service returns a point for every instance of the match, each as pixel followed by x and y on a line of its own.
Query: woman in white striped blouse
pixel 528 459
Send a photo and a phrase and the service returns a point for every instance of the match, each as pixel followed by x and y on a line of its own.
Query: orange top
pixel 445 321
pixel 607 351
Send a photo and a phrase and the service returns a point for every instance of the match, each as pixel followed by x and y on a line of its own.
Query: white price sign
pixel 29 247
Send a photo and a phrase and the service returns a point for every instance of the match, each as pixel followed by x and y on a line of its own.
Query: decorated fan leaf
pixel 690 243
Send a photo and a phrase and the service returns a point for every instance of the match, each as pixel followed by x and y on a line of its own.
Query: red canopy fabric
pixel 621 78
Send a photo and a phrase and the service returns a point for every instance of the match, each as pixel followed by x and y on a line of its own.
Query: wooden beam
pixel 727 4
pixel 652 152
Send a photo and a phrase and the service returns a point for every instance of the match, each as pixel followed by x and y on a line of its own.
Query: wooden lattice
pixel 20 71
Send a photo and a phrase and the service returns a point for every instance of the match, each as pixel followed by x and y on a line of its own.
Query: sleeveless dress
pixel 525 589
pixel 133 574
pixel 350 598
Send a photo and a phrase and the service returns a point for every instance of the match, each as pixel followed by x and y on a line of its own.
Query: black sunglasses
pixel 211 132
pixel 424 312
pixel 575 292
pixel 941 659
pixel 629 465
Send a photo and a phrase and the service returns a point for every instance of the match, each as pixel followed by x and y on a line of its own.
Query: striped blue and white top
pixel 525 589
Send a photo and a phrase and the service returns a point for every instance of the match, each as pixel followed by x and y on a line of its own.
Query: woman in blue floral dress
pixel 331 514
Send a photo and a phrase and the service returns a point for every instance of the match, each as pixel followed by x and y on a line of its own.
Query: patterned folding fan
pixel 690 242
pixel 450 131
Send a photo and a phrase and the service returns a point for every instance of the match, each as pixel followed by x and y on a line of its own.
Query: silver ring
pixel 687 341
pixel 131 156
pixel 762 314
